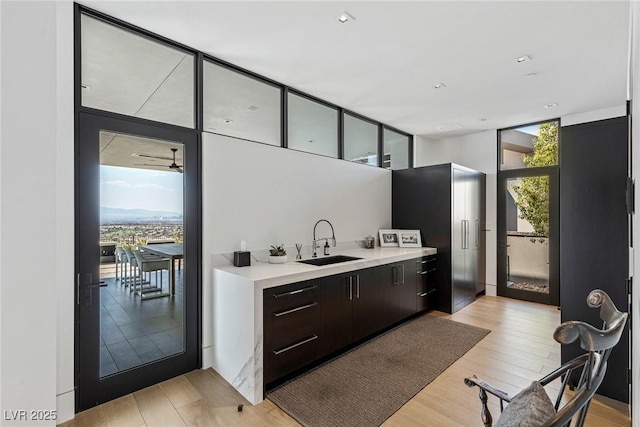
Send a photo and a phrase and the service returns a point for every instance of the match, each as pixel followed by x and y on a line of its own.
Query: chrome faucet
pixel 326 239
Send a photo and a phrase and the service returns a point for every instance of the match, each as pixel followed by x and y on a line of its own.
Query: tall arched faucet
pixel 326 239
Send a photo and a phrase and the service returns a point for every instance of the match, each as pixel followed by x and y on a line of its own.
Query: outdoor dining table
pixel 173 251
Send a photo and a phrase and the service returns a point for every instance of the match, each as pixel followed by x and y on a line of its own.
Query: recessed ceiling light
pixel 228 121
pixel 523 58
pixel 345 17
pixel 551 105
pixel 439 86
pixel 484 119
pixel 531 75
pixel 253 107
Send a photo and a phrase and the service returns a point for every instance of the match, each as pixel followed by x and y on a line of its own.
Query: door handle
pixel 88 279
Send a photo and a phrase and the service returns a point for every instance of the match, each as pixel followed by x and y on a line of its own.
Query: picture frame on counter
pixel 388 238
pixel 409 239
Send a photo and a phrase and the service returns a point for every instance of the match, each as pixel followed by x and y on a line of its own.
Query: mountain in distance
pixel 118 215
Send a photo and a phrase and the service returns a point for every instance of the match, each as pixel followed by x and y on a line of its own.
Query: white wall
pixel 592 116
pixel 266 195
pixel 477 151
pixel 36 187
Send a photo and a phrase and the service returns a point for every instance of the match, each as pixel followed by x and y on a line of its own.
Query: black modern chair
pixel 532 406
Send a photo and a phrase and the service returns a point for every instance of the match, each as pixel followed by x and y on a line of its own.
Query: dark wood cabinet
pixel 337 297
pixel 349 309
pixel 306 321
pixel 291 328
pixel 425 283
pixel 446 203
pixel 366 304
pixel 407 289
pixel 397 283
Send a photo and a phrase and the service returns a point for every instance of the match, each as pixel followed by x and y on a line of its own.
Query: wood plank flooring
pixel 519 349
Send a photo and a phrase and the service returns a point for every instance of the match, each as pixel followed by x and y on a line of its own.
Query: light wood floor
pixel 519 349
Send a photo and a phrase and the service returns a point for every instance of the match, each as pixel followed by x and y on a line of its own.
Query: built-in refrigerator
pixel 447 204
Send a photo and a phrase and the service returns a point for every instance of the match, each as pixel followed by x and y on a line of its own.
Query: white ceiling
pixel 384 64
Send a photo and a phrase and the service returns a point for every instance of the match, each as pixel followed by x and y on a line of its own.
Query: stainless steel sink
pixel 333 259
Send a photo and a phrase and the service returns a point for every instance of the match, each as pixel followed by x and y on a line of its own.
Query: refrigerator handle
pixel 463 233
pixel 477 233
pixel 466 234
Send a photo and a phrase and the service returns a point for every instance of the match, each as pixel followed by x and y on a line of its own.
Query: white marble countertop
pixel 267 275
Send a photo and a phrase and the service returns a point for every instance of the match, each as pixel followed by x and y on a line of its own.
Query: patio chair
pixel 532 406
pixel 148 263
pixel 121 262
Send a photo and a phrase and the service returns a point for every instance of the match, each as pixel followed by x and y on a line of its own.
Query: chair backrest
pixel 598 343
pixel 131 257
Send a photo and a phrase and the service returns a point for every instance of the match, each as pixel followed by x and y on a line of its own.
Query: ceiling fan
pixel 172 166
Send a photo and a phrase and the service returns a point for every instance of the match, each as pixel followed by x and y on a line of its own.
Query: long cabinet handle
pixel 293 310
pixel 424 294
pixel 297 291
pixel 358 286
pixel 402 283
pixel 298 344
pixel 466 234
pixel 350 288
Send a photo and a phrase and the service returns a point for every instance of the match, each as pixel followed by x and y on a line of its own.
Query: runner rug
pixel 368 384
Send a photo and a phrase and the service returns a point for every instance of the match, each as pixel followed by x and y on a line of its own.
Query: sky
pixel 132 188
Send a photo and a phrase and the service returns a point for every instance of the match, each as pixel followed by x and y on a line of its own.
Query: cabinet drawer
pixel 426 265
pixel 285 359
pixel 285 297
pixel 425 299
pixel 291 324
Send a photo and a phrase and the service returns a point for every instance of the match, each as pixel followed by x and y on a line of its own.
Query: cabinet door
pixel 407 289
pixel 337 298
pixel 366 304
pixel 388 279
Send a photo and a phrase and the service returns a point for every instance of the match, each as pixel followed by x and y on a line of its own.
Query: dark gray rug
pixel 367 385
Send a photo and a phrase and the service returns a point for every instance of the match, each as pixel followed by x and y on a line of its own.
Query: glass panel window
pixel 529 146
pixel 313 127
pixel 360 141
pixel 240 106
pixel 396 150
pixel 527 215
pixel 141 250
pixel 130 74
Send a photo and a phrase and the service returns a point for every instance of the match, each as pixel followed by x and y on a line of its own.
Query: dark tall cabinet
pixel 447 204
pixel 594 233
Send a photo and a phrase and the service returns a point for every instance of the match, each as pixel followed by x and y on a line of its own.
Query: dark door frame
pixel 90 388
pixel 553 297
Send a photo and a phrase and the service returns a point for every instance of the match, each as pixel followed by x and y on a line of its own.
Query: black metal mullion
pixel 199 92
pixel 380 145
pixel 284 119
pixel 411 156
pixel 341 133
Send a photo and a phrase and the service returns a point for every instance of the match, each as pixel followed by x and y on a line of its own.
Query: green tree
pixel 532 195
